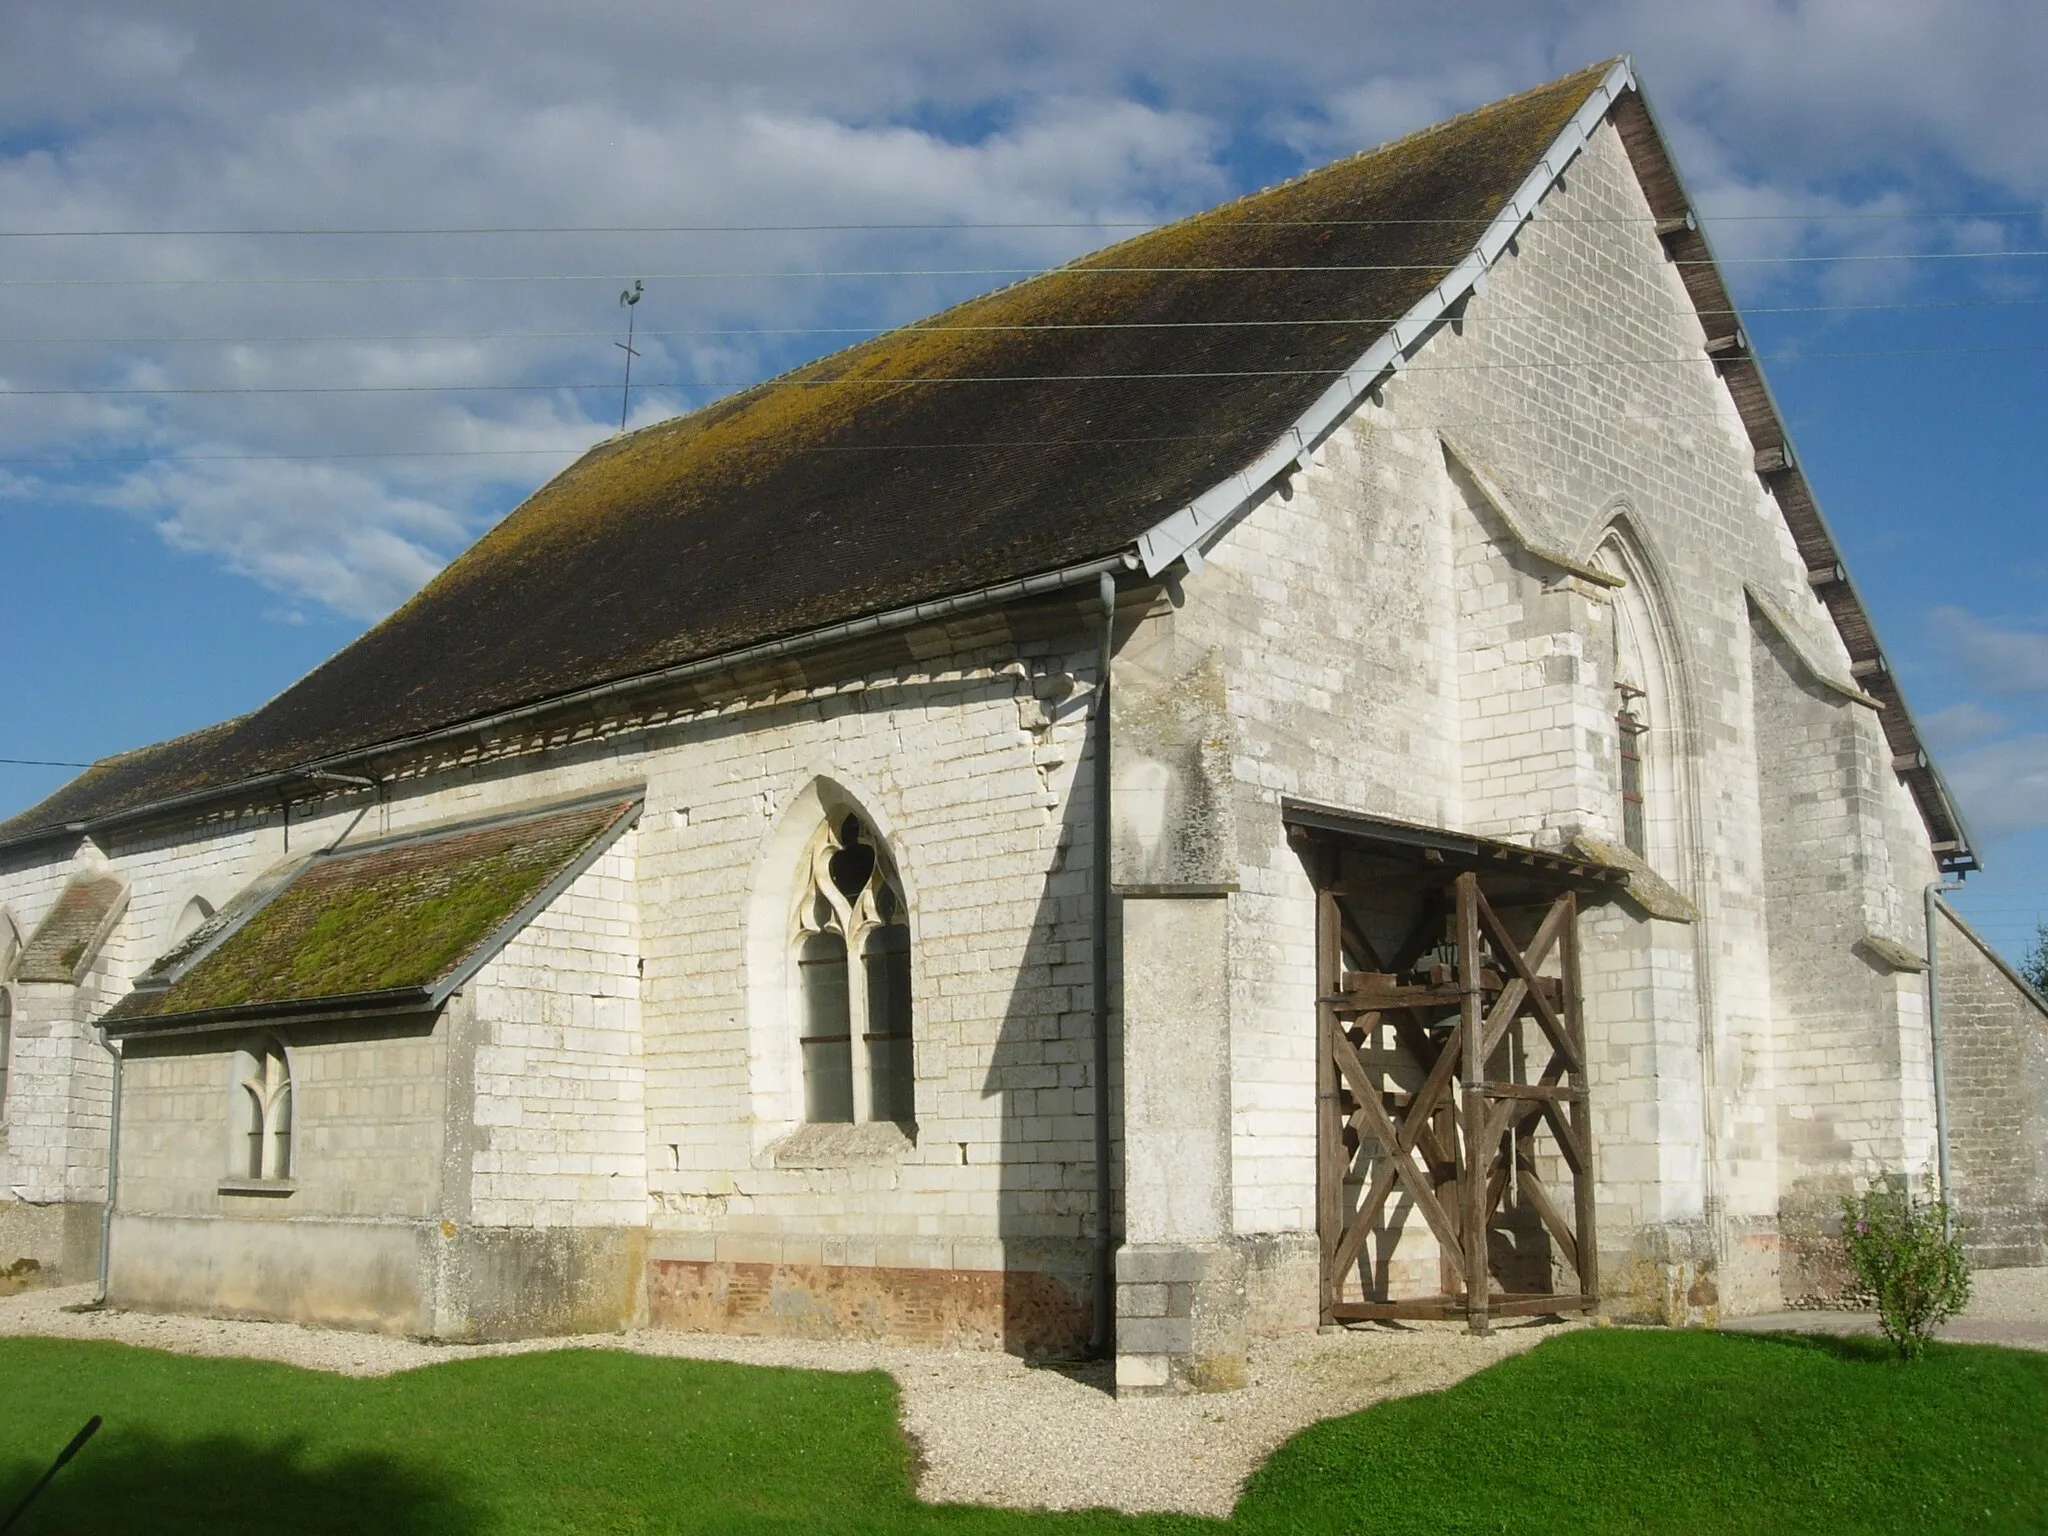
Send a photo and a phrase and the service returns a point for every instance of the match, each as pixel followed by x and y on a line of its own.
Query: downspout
pixel 1102 1337
pixel 1931 900
pixel 113 1161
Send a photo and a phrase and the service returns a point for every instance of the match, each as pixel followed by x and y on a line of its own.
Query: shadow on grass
pixel 1858 1348
pixel 224 1484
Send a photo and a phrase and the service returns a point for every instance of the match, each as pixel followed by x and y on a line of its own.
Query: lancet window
pixel 852 947
pixel 261 1147
pixel 1648 811
pixel 1630 730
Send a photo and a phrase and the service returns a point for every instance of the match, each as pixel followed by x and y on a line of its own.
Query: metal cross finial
pixel 628 299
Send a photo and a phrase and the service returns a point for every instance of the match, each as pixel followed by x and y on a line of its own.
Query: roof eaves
pixel 927 611
pixel 1778 465
pixel 1192 527
pixel 393 1002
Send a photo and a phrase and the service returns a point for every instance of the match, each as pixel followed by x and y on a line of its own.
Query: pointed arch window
pixel 1649 807
pixel 852 949
pixel 261 1146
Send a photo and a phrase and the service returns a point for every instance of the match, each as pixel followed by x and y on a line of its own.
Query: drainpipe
pixel 113 1161
pixel 1931 899
pixel 1102 1338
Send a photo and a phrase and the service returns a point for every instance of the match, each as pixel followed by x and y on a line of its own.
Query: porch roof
pixel 1438 850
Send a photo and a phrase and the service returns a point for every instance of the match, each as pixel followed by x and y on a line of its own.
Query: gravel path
pixel 992 1429
pixel 2007 1306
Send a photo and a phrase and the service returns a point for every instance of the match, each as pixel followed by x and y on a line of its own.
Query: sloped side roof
pixel 1043 425
pixel 391 923
pixel 71 931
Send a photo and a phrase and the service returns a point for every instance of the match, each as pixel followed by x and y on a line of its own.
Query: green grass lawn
pixel 1610 1430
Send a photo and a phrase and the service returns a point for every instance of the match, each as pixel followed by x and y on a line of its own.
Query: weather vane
pixel 628 299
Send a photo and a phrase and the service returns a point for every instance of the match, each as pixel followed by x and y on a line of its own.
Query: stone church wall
pixel 1393 647
pixel 610 1116
pixel 967 761
pixel 338 1242
pixel 1995 1046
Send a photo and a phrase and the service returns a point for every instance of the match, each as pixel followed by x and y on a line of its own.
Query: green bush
pixel 1907 1261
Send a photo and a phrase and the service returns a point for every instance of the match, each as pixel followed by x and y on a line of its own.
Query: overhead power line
pixel 866 381
pixel 342 338
pixel 602 434
pixel 317 232
pixel 739 274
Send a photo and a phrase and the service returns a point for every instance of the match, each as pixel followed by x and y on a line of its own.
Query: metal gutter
pixel 1931 899
pixel 1102 1329
pixel 353 1005
pixel 927 612
pixel 1190 528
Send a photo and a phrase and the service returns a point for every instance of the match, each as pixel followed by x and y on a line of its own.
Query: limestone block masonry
pixel 1548 518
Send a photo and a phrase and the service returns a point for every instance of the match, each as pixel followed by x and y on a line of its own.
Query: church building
pixel 1318 764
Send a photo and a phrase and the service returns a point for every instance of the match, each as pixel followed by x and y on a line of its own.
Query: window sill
pixel 269 1188
pixel 869 1144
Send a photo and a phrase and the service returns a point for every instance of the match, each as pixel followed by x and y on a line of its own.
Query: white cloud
pixel 2003 787
pixel 1960 725
pixel 2005 661
pixel 321 116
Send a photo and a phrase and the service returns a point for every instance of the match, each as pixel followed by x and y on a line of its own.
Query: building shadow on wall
pixel 226 1484
pixel 1042 1073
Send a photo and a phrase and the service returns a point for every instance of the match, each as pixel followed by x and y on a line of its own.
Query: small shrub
pixel 1908 1264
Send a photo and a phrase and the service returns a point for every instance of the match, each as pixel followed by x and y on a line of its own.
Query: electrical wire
pixel 862 273
pixel 894 382
pixel 1050 326
pixel 938 225
pixel 1640 418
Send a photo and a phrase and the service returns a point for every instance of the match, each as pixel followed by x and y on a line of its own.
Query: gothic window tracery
pixel 851 939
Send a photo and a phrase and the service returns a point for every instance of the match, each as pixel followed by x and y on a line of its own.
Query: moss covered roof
pixel 392 921
pixel 65 939
pixel 1044 425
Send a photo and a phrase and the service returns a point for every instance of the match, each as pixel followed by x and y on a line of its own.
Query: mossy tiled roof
pixel 388 924
pixel 1041 426
pixel 64 940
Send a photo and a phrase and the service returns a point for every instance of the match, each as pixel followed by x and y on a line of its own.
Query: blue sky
pixel 169 559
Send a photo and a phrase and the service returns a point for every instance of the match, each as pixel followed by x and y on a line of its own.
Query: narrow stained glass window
pixel 1630 731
